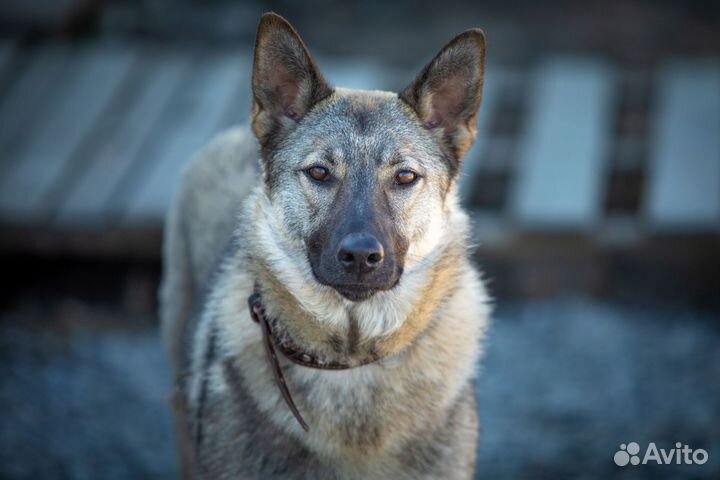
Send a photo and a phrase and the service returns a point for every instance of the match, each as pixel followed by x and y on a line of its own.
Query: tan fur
pixel 445 278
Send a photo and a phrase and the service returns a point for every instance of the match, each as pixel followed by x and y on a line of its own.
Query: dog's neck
pixel 317 320
pixel 299 329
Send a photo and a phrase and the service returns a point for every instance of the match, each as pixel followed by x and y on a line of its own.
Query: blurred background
pixel 594 187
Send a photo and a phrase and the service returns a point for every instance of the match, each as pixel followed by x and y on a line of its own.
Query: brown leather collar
pixel 257 313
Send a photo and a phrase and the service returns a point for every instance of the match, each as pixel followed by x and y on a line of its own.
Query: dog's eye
pixel 318 173
pixel 405 177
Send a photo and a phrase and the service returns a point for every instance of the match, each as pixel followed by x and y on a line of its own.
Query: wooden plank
pixel 560 174
pixel 27 97
pixel 494 79
pixel 684 172
pixel 97 73
pixel 240 103
pixel 204 105
pixel 86 204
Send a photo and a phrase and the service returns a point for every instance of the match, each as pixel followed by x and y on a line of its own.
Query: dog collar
pixel 295 355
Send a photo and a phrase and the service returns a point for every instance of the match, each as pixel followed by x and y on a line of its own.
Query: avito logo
pixel 680 455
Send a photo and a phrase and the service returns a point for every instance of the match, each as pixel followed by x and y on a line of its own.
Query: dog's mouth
pixel 355 293
pixel 356 287
pixel 358 292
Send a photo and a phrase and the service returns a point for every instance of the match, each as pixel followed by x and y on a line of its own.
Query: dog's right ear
pixel 286 82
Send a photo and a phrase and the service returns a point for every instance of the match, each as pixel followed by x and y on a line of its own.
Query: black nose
pixel 360 252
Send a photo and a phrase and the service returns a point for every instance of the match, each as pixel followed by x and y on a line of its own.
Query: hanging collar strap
pixel 294 354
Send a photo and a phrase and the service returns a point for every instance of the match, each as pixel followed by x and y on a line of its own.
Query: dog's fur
pixel 239 226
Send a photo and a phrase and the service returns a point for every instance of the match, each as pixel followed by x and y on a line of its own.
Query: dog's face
pixel 360 178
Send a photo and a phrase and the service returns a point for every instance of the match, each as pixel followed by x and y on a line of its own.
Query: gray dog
pixel 322 316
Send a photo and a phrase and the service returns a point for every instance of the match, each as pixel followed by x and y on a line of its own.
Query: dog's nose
pixel 360 252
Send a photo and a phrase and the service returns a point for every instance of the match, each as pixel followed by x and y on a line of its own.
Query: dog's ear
pixel 286 82
pixel 446 94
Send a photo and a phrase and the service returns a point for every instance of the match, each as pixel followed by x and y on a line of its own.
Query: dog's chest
pixel 358 427
pixel 364 422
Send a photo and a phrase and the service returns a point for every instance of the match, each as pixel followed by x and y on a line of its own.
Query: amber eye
pixel 405 177
pixel 318 173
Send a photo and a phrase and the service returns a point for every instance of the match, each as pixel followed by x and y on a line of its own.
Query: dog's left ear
pixel 446 94
pixel 286 83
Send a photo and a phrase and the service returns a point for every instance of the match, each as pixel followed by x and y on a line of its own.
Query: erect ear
pixel 285 81
pixel 446 94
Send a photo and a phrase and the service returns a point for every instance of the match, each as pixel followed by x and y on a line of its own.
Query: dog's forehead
pixel 357 124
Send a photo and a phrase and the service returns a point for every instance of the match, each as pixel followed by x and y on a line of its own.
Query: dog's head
pixel 361 178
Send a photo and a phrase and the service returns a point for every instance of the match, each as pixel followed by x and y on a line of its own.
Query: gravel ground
pixel 563 384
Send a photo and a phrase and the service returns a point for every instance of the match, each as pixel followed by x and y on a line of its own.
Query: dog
pixel 321 314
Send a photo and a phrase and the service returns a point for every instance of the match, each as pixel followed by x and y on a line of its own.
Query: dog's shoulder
pixel 212 186
pixel 200 223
